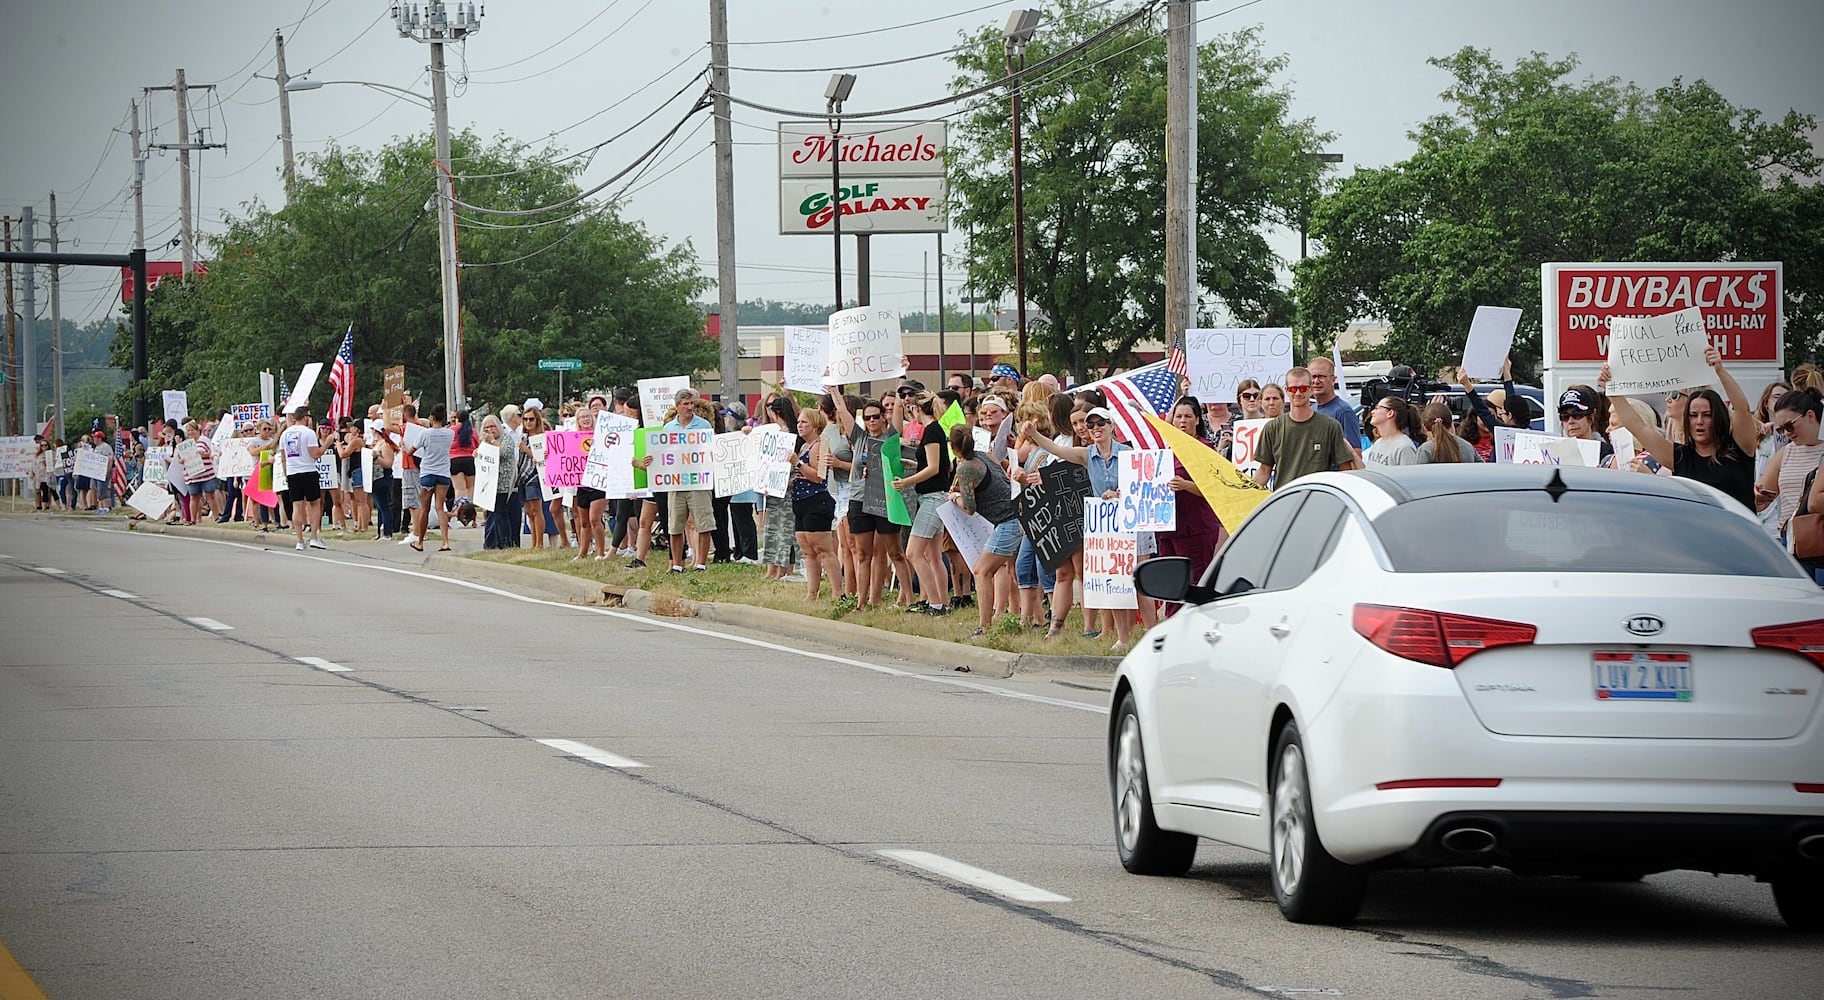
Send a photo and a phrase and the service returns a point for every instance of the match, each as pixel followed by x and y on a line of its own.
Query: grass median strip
pixel 728 583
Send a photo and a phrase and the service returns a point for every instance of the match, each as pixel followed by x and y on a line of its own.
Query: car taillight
pixel 1803 638
pixel 1435 637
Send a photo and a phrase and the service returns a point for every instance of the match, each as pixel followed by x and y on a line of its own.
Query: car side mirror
pixel 1164 578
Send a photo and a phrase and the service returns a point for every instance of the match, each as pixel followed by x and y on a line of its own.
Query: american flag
pixel 1150 388
pixel 117 469
pixel 342 379
pixel 1174 359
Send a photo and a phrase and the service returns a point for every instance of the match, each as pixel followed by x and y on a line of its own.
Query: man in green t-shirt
pixel 1301 440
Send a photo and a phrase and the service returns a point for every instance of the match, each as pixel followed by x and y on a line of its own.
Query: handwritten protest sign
pixel 1491 337
pixel 1147 502
pixel 681 459
pixel 16 457
pixel 806 355
pixel 224 429
pixel 737 461
pixel 327 477
pixel 300 393
pixel 1538 448
pixel 392 402
pixel 91 463
pixel 1657 354
pixel 151 499
pixel 1109 554
pixel 610 465
pixel 656 395
pixel 564 459
pixel 864 345
pixel 1247 440
pixel 487 475
pixel 969 531
pixel 232 461
pixel 1217 361
pixel 775 460
pixel 190 458
pixel 177 404
pixel 1051 513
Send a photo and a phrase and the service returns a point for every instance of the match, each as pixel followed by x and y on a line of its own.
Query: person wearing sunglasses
pixel 1247 393
pixel 1719 440
pixel 1781 484
pixel 876 537
pixel 1301 440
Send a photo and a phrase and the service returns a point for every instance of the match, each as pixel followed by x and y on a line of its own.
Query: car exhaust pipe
pixel 1811 848
pixel 1475 840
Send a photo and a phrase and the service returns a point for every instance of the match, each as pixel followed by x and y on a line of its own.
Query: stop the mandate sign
pixel 1741 303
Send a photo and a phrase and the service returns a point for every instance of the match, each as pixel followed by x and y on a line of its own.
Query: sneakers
pixel 636 563
pixel 677 569
pixel 937 610
pixel 300 546
pixel 963 601
pixel 918 607
pixel 699 568
pixel 792 578
pixel 317 543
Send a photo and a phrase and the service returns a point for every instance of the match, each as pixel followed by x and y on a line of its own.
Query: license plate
pixel 1642 676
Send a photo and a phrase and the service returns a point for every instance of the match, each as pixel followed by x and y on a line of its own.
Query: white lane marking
pixel 123 595
pixel 661 623
pixel 589 753
pixel 1000 885
pixel 322 664
pixel 4 556
pixel 51 571
pixel 210 624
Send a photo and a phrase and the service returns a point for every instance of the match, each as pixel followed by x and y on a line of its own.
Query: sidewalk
pixel 465 542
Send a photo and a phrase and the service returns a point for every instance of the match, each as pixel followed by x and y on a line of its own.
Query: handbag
pixel 1806 531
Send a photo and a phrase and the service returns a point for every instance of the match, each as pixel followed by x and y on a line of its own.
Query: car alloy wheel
pixel 1145 849
pixel 1310 886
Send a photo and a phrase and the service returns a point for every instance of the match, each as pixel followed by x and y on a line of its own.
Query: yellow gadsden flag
pixel 1231 494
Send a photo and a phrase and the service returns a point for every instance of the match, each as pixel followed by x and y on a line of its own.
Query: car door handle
pixel 1212 635
pixel 1280 631
pixel 1158 643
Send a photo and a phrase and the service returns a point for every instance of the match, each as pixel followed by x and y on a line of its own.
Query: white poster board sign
pixel 1147 501
pixel 737 460
pixel 1247 441
pixel 487 474
pixel 92 463
pixel 151 499
pixel 224 429
pixel 1217 361
pixel 864 345
pixel 190 459
pixel 610 465
pixel 177 404
pixel 805 354
pixel 1491 338
pixel 656 395
pixel 157 461
pixel 681 460
pixel 300 392
pixel 232 461
pixel 267 391
pixel 16 457
pixel 1656 354
pixel 969 531
pixel 1109 554
pixel 326 473
pixel 1538 448
pixel 775 460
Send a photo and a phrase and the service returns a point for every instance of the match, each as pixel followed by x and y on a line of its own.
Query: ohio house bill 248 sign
pixel 892 178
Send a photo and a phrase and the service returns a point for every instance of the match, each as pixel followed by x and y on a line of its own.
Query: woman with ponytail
pixel 1441 443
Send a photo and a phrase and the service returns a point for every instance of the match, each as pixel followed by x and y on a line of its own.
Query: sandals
pixel 445 548
pixel 417 546
pixel 978 633
pixel 1056 629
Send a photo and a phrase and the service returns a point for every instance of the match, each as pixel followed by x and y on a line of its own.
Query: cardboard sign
pixel 1217 361
pixel 1051 513
pixel 865 344
pixel 806 353
pixel 177 404
pixel 737 461
pixel 610 464
pixel 1657 354
pixel 969 531
pixel 1247 439
pixel 1491 338
pixel 152 500
pixel 300 393
pixel 1109 555
pixel 656 395
pixel 681 459
pixel 17 454
pixel 1147 502
pixel 564 460
pixel 487 475
pixel 393 401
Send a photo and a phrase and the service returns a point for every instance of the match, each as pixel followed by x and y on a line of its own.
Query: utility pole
pixel 943 352
pixel 437 23
pixel 56 323
pixel 291 177
pixel 10 407
pixel 28 309
pixel 1021 24
pixel 728 305
pixel 139 184
pixel 1180 169
pixel 184 226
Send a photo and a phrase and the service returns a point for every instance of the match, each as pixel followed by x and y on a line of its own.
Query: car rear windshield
pixel 1584 532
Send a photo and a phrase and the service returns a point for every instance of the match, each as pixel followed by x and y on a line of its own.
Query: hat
pixel 1497 398
pixel 992 400
pixel 1573 399
pixel 737 408
pixel 1004 371
pixel 913 384
pixel 532 404
pixel 1100 411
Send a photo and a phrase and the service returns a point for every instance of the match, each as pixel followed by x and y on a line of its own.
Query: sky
pixel 565 73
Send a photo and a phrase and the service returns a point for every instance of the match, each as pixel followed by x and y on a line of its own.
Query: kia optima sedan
pixel 1554 671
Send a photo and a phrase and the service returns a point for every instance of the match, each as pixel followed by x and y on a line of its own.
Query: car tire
pixel 1310 886
pixel 1800 899
pixel 1145 849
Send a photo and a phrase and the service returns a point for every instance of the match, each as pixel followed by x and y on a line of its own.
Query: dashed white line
pixel 1000 885
pixel 322 664
pixel 123 595
pixel 210 624
pixel 51 571
pixel 589 753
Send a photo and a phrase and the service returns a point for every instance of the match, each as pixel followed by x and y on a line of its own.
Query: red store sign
pixel 1742 305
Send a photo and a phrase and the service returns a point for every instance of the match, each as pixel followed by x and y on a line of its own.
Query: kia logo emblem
pixel 1645 625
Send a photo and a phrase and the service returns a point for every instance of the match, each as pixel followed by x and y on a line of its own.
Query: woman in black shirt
pixel 1721 439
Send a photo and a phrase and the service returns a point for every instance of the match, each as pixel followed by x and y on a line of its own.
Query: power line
pixel 835 69
pixel 560 40
pixel 612 32
pixel 605 142
pixel 869 31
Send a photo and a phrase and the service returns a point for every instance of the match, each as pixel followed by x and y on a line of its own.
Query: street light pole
pixel 834 94
pixel 1019 30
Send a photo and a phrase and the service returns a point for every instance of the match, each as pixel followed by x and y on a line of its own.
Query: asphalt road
pixel 233 771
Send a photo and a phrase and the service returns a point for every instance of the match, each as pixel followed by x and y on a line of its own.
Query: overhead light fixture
pixel 840 85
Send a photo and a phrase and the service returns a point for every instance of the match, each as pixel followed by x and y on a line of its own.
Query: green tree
pixel 1093 137
pixel 357 244
pixel 1526 166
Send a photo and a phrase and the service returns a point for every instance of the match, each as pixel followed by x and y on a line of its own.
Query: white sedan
pixel 1574 672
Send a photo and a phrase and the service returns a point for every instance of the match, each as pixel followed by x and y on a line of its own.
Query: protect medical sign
pixel 1742 306
pixel 869 149
pixel 881 205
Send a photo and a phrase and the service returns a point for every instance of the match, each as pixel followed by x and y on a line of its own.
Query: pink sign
pixel 566 453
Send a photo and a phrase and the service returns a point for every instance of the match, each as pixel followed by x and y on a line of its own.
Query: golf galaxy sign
pixel 892 178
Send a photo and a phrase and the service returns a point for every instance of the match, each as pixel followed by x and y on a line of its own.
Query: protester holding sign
pixel 930 483
pixel 1720 442
pixel 876 537
pixel 1102 457
pixel 431 448
pixel 1581 410
pixel 813 509
pixel 981 486
pixel 1199 533
pixel 591 503
pixel 777 548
